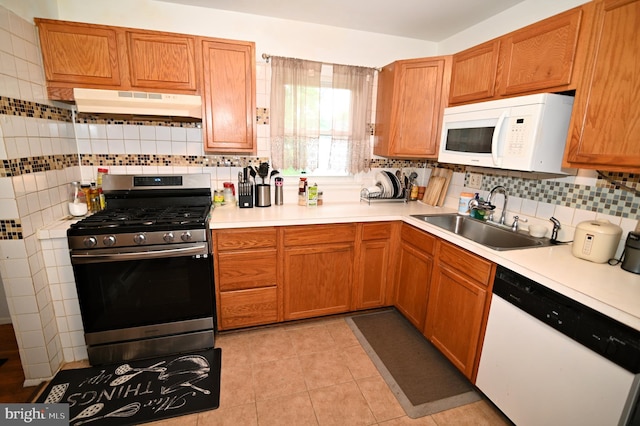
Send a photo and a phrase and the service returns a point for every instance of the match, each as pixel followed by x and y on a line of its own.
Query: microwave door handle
pixel 497 159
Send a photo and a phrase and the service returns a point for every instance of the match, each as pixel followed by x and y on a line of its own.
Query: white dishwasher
pixel 549 360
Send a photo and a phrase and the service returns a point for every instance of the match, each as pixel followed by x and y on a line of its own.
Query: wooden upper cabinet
pixel 412 95
pixel 229 82
pixel 162 62
pixel 105 57
pixel 606 113
pixel 473 73
pixel 79 54
pixel 541 56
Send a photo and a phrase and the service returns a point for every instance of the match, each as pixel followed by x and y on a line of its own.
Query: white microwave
pixel 525 133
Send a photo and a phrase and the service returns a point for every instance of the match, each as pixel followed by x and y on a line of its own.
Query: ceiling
pixel 432 20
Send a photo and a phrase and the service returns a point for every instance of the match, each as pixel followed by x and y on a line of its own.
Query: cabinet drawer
pixel 376 231
pixel 418 238
pixel 248 307
pixel 241 239
pixel 251 269
pixel 319 234
pixel 469 264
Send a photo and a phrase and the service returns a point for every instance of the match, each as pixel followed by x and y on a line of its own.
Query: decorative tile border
pixel 262 115
pixel 169 160
pixel 604 197
pixel 20 166
pixel 11 106
pixel 10 229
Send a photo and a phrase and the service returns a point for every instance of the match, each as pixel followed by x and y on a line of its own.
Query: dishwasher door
pixel 538 376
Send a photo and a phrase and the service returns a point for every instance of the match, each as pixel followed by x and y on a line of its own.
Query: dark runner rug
pixel 422 379
pixel 138 391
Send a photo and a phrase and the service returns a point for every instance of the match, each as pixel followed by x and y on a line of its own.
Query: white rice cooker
pixel 596 240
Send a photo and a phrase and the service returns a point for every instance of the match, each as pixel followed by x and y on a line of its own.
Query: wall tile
pixel 24 305
pixel 32 339
pixel 38 371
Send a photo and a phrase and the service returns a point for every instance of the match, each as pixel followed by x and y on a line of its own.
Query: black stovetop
pixel 120 220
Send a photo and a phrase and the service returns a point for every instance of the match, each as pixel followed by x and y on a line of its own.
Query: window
pixel 319 115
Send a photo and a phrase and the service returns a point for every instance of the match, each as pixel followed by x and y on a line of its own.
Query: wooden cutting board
pixel 446 174
pixel 433 190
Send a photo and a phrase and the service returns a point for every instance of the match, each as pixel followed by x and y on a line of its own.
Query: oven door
pixel 145 292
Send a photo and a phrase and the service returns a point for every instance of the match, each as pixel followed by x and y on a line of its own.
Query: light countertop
pixel 607 289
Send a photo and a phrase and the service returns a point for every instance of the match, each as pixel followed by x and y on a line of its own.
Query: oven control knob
pixel 168 237
pixel 186 236
pixel 109 240
pixel 139 238
pixel 90 242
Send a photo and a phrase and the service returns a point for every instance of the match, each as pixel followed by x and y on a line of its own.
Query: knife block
pixel 245 195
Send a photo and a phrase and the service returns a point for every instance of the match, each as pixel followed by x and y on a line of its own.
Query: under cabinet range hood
pixel 137 103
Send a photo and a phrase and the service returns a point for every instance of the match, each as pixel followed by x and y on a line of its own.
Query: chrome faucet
pixel 502 190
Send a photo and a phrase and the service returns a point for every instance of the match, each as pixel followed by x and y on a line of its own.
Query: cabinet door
pixel 421 103
pixel 454 319
pixel 411 127
pixel 317 280
pixel 412 284
pixel 229 96
pixel 375 271
pixel 542 55
pixel 86 55
pixel 606 113
pixel 164 62
pixel 473 73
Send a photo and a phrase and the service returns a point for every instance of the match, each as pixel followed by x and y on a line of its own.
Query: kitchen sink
pixel 493 236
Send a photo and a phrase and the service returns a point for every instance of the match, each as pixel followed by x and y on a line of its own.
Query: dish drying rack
pixel 368 197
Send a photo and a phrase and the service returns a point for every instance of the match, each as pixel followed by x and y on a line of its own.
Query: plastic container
pixel 463 205
pixel 229 193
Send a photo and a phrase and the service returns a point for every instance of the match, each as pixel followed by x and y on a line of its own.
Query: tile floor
pixel 311 373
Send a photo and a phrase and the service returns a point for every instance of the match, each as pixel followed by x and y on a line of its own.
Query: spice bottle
pixel 86 188
pixel 302 192
pixel 94 198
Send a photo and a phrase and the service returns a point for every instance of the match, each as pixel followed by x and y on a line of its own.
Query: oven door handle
pixel 78 258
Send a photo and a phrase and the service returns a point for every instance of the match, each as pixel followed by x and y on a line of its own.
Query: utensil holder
pixel 263 195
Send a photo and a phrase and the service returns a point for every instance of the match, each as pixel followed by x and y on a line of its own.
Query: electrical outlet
pixel 475 180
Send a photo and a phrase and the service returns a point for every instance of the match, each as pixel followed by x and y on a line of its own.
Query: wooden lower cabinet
pixel 245 271
pixel 318 265
pixel 414 274
pixel 245 308
pixel 458 305
pixel 375 270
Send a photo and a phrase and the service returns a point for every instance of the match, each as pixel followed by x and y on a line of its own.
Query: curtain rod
pixel 266 57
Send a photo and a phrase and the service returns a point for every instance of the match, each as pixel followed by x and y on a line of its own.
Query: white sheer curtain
pixel 314 123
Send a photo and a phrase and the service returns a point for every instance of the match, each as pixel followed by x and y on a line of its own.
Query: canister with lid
pixel 463 205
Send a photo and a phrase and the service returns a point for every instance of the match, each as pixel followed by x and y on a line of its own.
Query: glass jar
pixel 218 197
pixel 77 200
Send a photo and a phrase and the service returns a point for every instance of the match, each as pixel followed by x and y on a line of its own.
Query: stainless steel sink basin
pixel 492 236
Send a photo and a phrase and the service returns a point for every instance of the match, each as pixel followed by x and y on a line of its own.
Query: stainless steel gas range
pixel 143 268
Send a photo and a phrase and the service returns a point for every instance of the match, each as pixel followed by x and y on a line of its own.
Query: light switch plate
pixel 475 180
